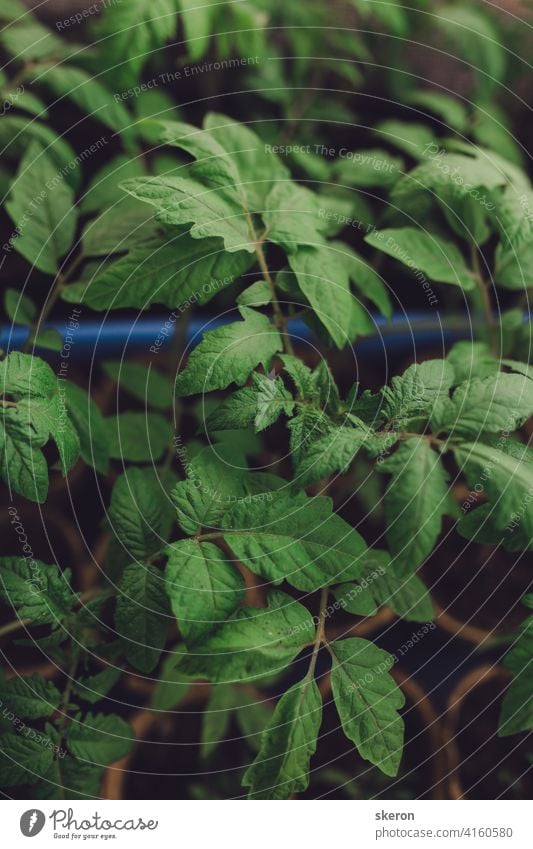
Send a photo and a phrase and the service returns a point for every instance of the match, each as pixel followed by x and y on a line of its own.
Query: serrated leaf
pixel 89 424
pixel 41 205
pixel 139 437
pixel 259 294
pixel 142 615
pixel 30 697
pixel 132 34
pixel 416 499
pixel 24 760
pixel 416 391
pixel 424 252
pixel 208 210
pixel 505 472
pixel 177 271
pixel 93 688
pixel 333 452
pixel 255 643
pixel 501 402
pixel 368 701
pixel 323 275
pixel 296 539
pixel 281 767
pixel 99 739
pixel 140 513
pixel 38 592
pixel 291 217
pixel 203 587
pixel 229 353
pixel 68 778
pixel 407 596
pixel 212 486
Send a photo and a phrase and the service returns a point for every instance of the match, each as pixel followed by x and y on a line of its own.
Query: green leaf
pixel 24 759
pixel 176 271
pixel 408 597
pixel 257 167
pixel 198 22
pixel 49 416
pixel 471 359
pixel 103 190
pixel 307 427
pixel 37 591
pixel 140 513
pixel 212 486
pixel 31 697
pixel 296 539
pixel 28 40
pixel 18 133
pixel 368 701
pixel 138 437
pixel 323 275
pixel 70 779
pixel 291 217
pixel 208 210
pixel 449 109
pixel 171 687
pixel 517 706
pixel 417 391
pixel 333 452
pixel 93 688
pixel 505 472
pixel 229 353
pixel 86 92
pixel 259 294
pixel 367 169
pixel 41 205
pixel 22 465
pixel 89 424
pixel 142 615
pixel 501 402
pixel 416 499
pixel 282 766
pixel 114 231
pixel 255 643
pixel 19 308
pixel 423 252
pixel 99 739
pixel 22 374
pixel 203 587
pixel 217 717
pixel 146 385
pixel 132 34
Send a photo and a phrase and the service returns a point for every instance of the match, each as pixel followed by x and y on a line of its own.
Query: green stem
pixel 278 313
pixel 484 296
pixel 58 285
pixel 320 631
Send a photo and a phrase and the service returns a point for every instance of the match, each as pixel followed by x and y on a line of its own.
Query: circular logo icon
pixel 32 822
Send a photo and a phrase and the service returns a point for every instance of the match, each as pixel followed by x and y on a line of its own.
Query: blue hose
pixel 117 337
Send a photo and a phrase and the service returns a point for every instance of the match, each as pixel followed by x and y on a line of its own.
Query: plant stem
pixel 485 299
pixel 278 314
pixel 63 707
pixel 58 285
pixel 15 625
pixel 320 631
